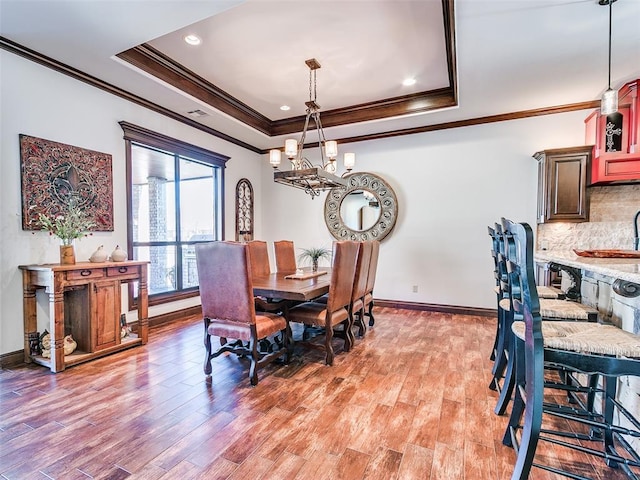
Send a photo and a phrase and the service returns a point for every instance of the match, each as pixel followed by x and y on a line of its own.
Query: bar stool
pixel 551 309
pixel 582 347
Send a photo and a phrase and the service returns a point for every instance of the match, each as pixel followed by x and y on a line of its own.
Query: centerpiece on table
pixel 67 226
pixel 314 254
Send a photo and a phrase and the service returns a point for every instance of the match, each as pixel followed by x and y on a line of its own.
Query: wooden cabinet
pixel 616 156
pixel 85 302
pixel 563 176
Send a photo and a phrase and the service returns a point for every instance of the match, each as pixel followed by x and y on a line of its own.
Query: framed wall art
pixel 55 175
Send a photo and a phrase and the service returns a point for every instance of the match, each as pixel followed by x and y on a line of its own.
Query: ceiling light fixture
pixel 192 39
pixel 285 108
pixel 407 82
pixel 609 103
pixel 311 178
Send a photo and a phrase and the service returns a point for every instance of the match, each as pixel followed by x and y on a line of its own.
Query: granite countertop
pixel 623 268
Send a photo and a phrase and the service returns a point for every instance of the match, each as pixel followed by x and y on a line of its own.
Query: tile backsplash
pixel 610 222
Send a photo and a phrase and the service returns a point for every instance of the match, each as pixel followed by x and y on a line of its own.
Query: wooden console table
pixel 84 301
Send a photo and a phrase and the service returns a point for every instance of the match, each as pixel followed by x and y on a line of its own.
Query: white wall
pixel 450 185
pixel 40 102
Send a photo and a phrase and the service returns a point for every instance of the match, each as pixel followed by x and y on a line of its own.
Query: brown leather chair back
pixel 362 271
pixel 226 291
pixel 373 266
pixel 285 256
pixel 343 271
pixel 259 258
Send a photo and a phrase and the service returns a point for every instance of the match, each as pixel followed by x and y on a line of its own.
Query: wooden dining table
pixel 276 285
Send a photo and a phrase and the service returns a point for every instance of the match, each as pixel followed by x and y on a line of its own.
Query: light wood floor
pixel 409 402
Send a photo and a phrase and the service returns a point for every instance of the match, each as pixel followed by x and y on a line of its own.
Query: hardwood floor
pixel 410 401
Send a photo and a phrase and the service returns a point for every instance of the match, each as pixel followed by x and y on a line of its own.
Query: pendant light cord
pixel 610 9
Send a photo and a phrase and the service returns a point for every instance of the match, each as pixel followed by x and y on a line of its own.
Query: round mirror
pixel 366 209
pixel 360 210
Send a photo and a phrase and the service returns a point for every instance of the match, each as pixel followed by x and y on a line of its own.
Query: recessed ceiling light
pixel 192 39
pixel 407 82
pixel 284 108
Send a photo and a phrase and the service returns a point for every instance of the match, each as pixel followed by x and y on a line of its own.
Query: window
pixel 175 197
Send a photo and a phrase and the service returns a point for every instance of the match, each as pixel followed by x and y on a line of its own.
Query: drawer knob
pixel 122 269
pixel 85 273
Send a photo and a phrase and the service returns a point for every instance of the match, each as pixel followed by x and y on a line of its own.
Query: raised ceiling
pixel 471 58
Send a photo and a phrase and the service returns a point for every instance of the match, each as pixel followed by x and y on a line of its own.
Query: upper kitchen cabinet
pixel 563 176
pixel 616 157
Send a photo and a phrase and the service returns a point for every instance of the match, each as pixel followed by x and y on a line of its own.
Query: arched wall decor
pixel 244 210
pixel 384 196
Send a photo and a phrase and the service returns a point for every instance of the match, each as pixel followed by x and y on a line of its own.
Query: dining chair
pixel 226 294
pixel 336 311
pixel 371 281
pixel 285 256
pixel 357 305
pixel 503 377
pixel 260 267
pixel 582 347
pixel 259 255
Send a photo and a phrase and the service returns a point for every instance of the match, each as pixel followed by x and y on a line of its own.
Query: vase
pixel 314 266
pixel 67 255
pixel 118 255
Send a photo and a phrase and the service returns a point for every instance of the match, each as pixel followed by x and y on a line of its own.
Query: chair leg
pixel 255 357
pixel 362 325
pixel 207 347
pixel 288 343
pixel 502 337
pixel 328 346
pixel 349 339
pixel 508 383
pixel 372 320
pixel 529 368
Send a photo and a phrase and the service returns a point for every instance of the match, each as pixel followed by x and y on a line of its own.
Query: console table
pixel 84 301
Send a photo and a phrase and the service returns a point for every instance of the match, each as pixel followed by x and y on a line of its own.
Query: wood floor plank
pixel 448 463
pixel 384 465
pixel 416 463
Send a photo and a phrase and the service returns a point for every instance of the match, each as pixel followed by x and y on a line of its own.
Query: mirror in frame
pixel 366 209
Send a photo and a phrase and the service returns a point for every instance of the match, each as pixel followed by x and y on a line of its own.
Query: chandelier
pixel 311 178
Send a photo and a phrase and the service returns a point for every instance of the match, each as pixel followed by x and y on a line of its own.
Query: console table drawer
pixel 85 273
pixel 124 271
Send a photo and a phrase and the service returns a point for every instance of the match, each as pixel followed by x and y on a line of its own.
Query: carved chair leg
pixel 349 339
pixel 328 345
pixel 288 343
pixel 362 325
pixel 255 357
pixel 372 320
pixel 207 347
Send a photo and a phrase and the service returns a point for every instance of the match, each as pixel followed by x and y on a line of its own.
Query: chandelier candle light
pixel 303 174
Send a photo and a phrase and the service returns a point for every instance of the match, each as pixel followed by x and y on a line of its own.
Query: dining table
pixel 303 287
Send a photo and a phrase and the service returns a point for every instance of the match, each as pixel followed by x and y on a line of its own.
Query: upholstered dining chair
pixel 226 293
pixel 260 267
pixel 357 305
pixel 371 281
pixel 336 310
pixel 259 255
pixel 600 351
pixel 285 256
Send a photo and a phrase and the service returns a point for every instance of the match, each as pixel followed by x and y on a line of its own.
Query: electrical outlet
pixel 415 289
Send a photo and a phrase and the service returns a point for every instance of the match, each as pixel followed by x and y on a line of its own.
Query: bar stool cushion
pixel 561 310
pixel 584 337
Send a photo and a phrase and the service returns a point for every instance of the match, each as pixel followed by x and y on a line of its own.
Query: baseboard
pixel 12 359
pixel 434 307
